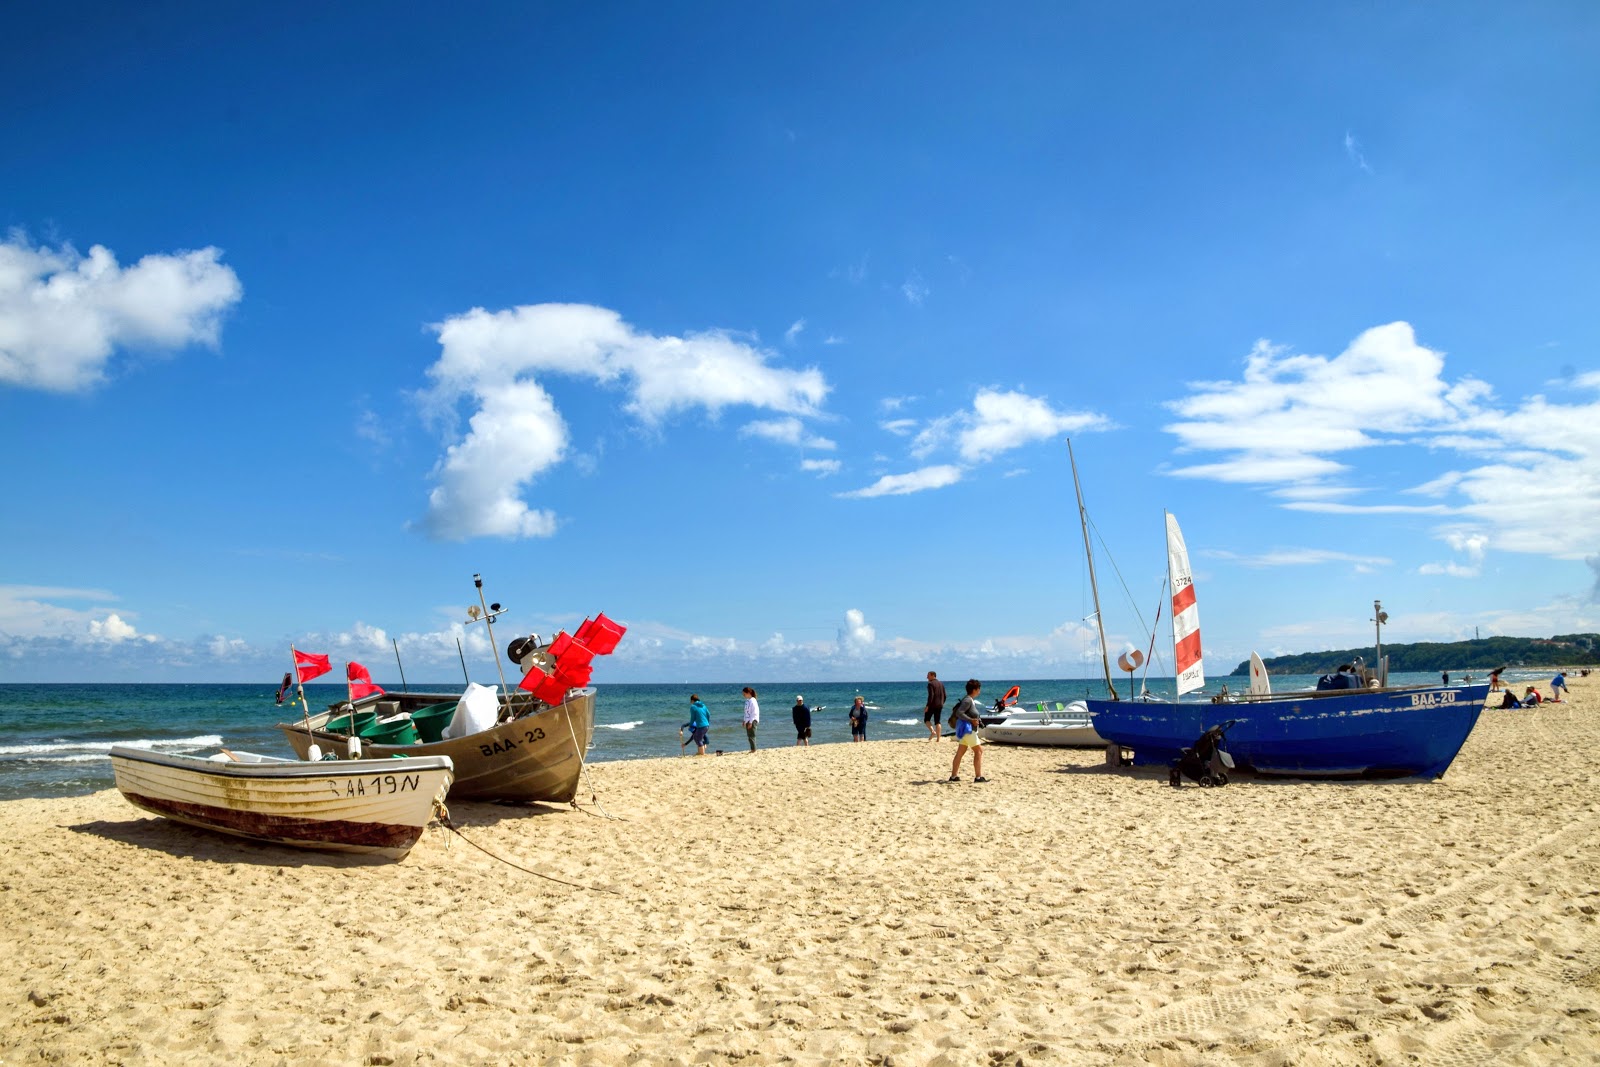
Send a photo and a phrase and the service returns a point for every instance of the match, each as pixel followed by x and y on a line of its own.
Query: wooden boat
pixel 535 753
pixel 1067 726
pixel 363 806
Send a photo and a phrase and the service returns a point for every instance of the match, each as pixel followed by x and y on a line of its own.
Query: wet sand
pixel 844 904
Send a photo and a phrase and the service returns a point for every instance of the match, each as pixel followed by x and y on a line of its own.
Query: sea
pixel 55 738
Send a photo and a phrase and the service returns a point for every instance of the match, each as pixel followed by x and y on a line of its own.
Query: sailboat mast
pixel 1094 588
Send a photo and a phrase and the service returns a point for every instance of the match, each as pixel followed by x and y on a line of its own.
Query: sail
pixel 1185 616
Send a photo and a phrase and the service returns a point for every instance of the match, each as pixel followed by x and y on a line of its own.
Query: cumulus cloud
pixel 786 432
pixel 1282 425
pixel 823 467
pixel 998 422
pixel 63 315
pixel 111 628
pixel 856 636
pixel 936 477
pixel 493 360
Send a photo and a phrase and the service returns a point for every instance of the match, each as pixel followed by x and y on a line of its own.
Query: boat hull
pixel 351 806
pixel 1070 727
pixel 536 757
pixel 1363 733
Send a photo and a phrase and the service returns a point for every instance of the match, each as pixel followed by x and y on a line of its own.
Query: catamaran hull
pixel 1403 733
pixel 354 806
pixel 537 757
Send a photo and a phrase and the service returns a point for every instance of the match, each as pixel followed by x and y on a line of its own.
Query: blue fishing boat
pixel 1362 730
pixel 1348 733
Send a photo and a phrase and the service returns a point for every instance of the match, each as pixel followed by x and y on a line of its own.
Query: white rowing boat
pixel 371 806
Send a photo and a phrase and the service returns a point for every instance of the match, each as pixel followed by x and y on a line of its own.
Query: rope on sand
pixel 453 828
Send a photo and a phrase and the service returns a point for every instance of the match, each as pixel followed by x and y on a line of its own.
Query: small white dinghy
pixel 1066 726
pixel 372 806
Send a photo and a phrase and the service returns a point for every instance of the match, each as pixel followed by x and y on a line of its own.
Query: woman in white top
pixel 752 715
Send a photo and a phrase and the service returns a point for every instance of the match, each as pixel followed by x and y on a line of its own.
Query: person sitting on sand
pixel 858 720
pixel 965 718
pixel 1509 700
pixel 699 724
pixel 1531 698
pixel 1558 688
pixel 802 721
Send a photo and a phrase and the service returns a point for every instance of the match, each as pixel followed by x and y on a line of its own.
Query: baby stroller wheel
pixel 1206 782
pixel 1221 778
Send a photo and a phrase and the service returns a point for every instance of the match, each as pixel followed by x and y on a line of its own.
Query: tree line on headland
pixel 1487 653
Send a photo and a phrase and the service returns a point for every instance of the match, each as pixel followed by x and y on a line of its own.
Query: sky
pixel 764 329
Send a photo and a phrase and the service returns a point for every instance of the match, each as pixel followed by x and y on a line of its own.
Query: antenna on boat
pixel 490 612
pixel 1379 617
pixel 403 686
pixel 1083 518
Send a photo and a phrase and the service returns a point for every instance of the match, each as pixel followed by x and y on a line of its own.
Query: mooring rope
pixel 444 819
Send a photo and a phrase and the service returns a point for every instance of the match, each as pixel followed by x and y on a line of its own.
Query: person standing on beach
pixel 1558 688
pixel 858 720
pixel 1494 679
pixel 1444 677
pixel 802 721
pixel 934 712
pixel 699 724
pixel 966 718
pixel 752 716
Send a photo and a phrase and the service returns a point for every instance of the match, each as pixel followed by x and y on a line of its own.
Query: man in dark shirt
pixel 933 714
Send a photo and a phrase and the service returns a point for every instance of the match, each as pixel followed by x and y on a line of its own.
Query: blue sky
pixel 762 329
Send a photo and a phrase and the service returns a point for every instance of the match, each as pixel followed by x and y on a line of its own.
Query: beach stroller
pixel 1206 761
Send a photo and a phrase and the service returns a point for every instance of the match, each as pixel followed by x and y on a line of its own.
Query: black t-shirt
pixel 936 697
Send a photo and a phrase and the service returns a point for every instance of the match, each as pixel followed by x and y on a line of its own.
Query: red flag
pixel 600 634
pixel 574 677
pixel 309 665
pixel 532 679
pixel 551 690
pixel 568 650
pixel 360 681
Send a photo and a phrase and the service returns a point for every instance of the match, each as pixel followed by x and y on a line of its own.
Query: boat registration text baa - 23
pixel 508 744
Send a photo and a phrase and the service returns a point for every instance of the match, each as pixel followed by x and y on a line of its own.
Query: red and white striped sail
pixel 1185 616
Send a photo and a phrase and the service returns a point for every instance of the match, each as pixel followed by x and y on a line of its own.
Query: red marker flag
pixel 532 680
pixel 600 634
pixel 360 681
pixel 309 665
pixel 569 651
pixel 574 677
pixel 551 690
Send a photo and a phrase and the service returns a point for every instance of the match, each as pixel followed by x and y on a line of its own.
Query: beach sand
pixel 844 904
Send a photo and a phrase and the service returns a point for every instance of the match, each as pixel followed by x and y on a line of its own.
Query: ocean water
pixel 55 739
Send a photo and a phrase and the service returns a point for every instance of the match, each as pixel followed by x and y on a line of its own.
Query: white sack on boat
pixel 477 711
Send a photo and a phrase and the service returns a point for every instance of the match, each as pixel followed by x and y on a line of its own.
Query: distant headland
pixel 1563 650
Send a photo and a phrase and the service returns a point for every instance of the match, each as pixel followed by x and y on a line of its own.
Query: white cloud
pixel 914 289
pixel 833 339
pixel 999 422
pixel 1298 557
pixel 1290 414
pixel 823 467
pixel 1454 570
pixel 490 360
pixel 62 315
pixel 899 427
pixel 1352 148
pixel 856 637
pixel 38 611
pixel 936 477
pixel 112 628
pixel 792 334
pixel 786 432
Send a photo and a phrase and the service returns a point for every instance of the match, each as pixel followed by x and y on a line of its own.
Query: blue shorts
pixel 698 734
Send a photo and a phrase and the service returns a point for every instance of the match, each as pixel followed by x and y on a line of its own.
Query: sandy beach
pixel 844 904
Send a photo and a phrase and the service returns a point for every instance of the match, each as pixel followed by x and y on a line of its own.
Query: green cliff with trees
pixel 1487 653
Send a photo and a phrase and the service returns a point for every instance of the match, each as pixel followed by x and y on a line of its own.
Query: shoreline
pixel 843 904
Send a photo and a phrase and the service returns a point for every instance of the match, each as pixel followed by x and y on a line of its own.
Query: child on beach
pixel 966 720
pixel 699 723
pixel 752 716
